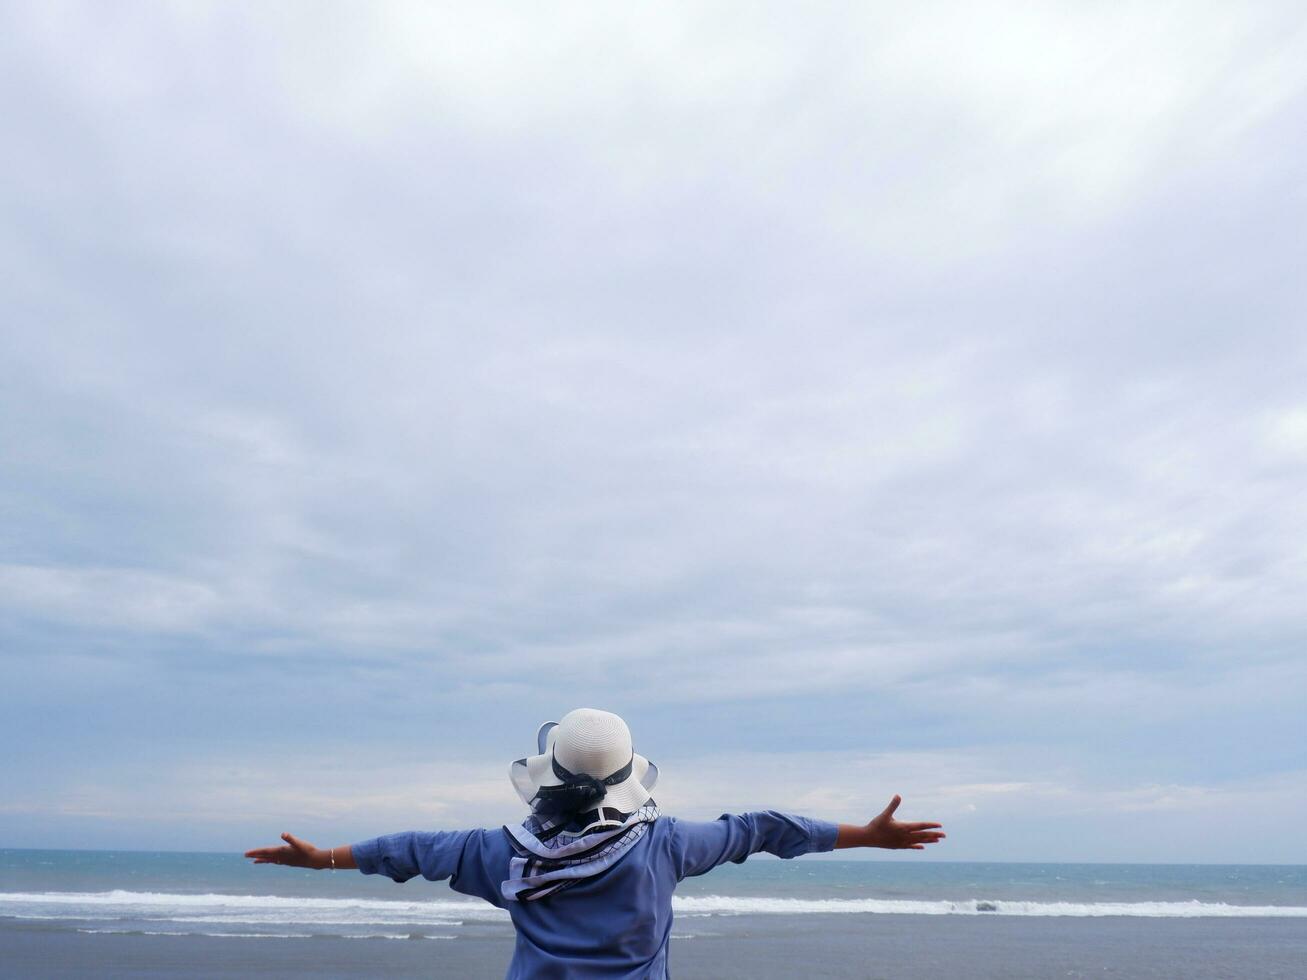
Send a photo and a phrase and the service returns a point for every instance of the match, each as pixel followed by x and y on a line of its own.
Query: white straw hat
pixel 585 762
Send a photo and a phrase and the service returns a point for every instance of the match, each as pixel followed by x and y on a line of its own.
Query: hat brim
pixel 529 774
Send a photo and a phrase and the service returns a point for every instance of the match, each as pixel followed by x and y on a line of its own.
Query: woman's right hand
pixel 297 854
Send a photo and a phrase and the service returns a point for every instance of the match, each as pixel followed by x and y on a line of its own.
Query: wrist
pixel 857 835
pixel 870 836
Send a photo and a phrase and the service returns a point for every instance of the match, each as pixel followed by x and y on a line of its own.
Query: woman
pixel 588 877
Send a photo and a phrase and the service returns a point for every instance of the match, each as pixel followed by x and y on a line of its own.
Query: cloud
pixel 852 379
pixel 106 597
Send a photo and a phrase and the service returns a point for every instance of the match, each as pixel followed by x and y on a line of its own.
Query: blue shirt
pixel 616 924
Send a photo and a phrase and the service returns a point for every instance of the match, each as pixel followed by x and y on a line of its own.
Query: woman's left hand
pixel 885 831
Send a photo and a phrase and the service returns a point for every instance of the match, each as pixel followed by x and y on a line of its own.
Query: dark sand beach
pixel 903 947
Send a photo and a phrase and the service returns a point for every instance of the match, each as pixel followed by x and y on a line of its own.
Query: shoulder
pixel 662 829
pixel 676 835
pixel 665 834
pixel 490 841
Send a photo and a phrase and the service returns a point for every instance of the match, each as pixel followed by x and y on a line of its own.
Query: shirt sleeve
pixel 470 859
pixel 697 848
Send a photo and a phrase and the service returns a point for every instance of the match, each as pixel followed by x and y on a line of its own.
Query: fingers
pixel 296 843
pixel 918 841
pixel 923 826
pixel 893 805
pixel 270 855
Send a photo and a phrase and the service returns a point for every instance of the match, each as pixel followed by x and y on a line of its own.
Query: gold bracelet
pixel 333 859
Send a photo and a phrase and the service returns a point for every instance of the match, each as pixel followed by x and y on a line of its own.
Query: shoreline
pixel 840 947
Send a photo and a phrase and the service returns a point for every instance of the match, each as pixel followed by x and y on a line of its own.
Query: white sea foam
pixel 734 905
pixel 256 910
pixel 255 935
pixel 215 935
pixel 243 909
pixel 398 935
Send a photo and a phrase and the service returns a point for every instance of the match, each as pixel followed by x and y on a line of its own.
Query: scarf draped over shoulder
pixel 554 853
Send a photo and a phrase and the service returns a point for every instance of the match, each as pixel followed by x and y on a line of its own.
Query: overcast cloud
pixel 859 401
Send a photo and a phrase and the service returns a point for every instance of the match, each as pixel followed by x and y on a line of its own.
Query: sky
pixel 859 400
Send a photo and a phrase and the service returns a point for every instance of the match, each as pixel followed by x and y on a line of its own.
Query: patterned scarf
pixel 553 853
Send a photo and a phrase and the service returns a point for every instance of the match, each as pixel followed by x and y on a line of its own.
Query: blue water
pixel 225 895
pixel 133 914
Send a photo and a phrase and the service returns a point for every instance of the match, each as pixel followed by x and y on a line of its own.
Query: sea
pixel 66 913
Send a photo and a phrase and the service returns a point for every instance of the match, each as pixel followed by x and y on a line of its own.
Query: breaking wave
pixel 299 913
pixel 732 905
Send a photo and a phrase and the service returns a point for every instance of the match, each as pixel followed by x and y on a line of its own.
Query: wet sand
pixel 882 946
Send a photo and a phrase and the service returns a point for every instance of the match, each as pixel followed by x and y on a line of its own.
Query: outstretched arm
pixel 474 861
pixel 697 848
pixel 884 831
pixel 301 854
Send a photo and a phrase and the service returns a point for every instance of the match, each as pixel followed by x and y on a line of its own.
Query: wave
pixel 215 935
pixel 254 910
pixel 218 909
pixel 733 905
pixel 255 935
